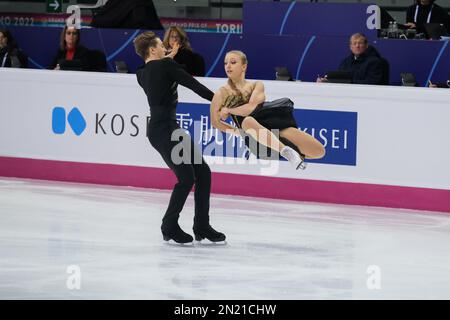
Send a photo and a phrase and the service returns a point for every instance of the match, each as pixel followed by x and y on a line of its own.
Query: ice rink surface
pixel 78 241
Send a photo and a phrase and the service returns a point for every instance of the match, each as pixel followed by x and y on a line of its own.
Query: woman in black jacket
pixel 71 50
pixel 177 42
pixel 9 49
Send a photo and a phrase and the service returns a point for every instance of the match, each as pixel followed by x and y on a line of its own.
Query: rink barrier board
pixel 397 138
pixel 233 184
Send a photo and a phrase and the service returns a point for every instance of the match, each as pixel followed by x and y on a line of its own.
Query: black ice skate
pixel 176 235
pixel 209 233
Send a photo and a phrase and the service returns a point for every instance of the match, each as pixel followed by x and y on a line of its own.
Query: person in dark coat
pixel 10 50
pixel 177 41
pixel 70 49
pixel 364 62
pixel 426 11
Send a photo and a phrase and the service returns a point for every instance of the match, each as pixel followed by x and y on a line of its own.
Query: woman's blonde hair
pixel 240 54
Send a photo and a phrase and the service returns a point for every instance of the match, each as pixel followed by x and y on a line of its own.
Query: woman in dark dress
pixel 244 102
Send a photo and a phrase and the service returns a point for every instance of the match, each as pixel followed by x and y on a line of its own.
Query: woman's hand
pixel 410 25
pixel 224 113
pixel 173 52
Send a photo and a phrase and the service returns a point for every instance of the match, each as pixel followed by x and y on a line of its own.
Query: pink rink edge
pixel 233 184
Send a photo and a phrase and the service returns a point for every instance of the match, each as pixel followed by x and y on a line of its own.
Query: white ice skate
pixel 293 157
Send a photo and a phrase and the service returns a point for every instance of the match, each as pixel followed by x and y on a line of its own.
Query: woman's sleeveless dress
pixel 277 114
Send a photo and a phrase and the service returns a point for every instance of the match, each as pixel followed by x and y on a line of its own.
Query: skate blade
pixel 206 242
pixel 301 166
pixel 173 243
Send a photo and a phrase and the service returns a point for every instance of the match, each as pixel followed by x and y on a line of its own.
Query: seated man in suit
pixel 364 62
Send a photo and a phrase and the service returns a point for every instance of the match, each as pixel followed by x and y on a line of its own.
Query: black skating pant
pixel 195 171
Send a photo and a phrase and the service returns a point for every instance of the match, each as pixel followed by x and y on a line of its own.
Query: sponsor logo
pixel 74 118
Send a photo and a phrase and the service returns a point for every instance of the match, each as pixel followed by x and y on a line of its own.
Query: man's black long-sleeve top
pixel 159 79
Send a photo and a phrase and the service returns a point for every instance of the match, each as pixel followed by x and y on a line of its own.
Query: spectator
pixel 426 11
pixel 71 50
pixel 10 50
pixel 177 42
pixel 364 63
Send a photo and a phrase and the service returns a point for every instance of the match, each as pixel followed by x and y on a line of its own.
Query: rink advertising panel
pixel 336 130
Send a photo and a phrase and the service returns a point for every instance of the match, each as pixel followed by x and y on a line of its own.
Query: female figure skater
pixel 244 102
pixel 159 78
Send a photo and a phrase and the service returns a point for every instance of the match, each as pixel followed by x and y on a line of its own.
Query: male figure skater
pixel 159 78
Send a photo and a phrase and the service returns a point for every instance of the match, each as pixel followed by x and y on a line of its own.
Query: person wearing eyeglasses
pixel 179 49
pixel 70 49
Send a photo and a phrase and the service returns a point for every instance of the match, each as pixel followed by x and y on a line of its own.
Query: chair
pixel 15 62
pixel 386 71
pixel 121 67
pixel 97 61
pixel 199 65
pixel 408 79
pixel 283 74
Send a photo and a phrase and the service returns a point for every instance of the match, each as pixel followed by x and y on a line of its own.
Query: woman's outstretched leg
pixel 267 138
pixel 261 134
pixel 307 144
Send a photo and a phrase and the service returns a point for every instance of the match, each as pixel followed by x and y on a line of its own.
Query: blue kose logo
pixel 74 118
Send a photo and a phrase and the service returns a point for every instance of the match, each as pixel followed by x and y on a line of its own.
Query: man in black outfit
pixel 159 78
